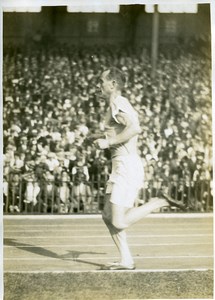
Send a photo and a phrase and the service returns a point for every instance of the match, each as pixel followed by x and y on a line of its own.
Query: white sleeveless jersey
pixel 114 127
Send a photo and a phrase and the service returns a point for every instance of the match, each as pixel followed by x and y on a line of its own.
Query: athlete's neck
pixel 114 95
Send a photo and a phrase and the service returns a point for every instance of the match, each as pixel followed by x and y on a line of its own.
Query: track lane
pixel 84 244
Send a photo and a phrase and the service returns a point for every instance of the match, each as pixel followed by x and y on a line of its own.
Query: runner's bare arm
pixel 94 136
pixel 130 130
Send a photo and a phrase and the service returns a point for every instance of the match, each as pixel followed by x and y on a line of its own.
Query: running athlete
pixel 121 134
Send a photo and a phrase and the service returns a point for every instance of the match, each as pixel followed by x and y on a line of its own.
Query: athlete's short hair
pixel 117 75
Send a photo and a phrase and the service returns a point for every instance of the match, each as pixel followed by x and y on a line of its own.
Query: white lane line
pixel 108 236
pixel 99 216
pixel 102 230
pixel 54 225
pixel 104 271
pixel 84 226
pixel 109 245
pixel 17 258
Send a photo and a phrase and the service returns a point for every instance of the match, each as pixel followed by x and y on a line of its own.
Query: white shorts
pixel 125 180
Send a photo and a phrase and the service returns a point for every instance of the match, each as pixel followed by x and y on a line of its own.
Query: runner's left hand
pixel 102 143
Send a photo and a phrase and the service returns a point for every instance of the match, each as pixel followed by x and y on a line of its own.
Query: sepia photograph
pixel 107 150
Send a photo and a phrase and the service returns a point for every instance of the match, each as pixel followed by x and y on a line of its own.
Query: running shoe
pixel 117 266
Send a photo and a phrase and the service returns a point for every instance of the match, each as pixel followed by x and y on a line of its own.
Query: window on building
pixel 93 26
pixel 170 27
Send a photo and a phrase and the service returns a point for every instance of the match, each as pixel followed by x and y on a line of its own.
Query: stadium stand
pixel 50 106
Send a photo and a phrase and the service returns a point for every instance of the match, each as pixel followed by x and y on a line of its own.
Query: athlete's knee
pixel 108 219
pixel 119 224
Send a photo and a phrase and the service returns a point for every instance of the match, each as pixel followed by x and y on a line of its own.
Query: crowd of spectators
pixel 50 106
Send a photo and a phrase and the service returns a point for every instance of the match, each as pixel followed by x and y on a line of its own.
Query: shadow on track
pixel 70 256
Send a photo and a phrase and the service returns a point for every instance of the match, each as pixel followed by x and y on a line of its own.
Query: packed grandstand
pixel 50 106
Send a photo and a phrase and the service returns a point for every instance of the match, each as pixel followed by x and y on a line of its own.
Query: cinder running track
pixel 161 242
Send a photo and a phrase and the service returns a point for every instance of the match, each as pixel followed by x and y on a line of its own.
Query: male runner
pixel 126 179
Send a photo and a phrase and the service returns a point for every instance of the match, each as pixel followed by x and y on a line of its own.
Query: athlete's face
pixel 105 86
